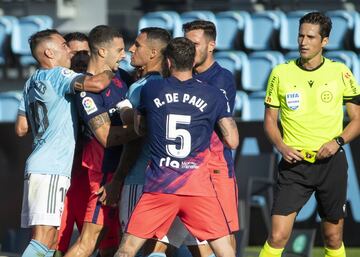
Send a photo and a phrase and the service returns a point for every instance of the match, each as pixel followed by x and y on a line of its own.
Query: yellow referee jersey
pixel 310 102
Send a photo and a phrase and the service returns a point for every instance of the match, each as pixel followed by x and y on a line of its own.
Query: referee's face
pixel 310 42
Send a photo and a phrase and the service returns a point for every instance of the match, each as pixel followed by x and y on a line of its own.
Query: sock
pixel 268 251
pixel 157 255
pixel 335 253
pixel 50 253
pixel 35 248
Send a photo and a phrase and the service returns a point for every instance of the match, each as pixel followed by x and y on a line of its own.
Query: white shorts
pixel 177 234
pixel 43 199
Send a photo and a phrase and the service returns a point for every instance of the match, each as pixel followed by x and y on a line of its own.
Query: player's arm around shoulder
pixel 139 123
pixel 95 83
pixel 21 125
pixel 229 132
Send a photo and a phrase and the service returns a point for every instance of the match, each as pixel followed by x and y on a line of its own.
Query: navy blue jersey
pixel 90 105
pixel 180 121
pixel 224 80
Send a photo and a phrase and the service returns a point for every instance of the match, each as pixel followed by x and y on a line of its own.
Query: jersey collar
pixel 298 63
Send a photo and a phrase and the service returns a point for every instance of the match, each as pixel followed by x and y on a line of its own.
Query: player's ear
pixel 49 53
pixel 153 53
pixel 211 45
pixel 324 41
pixel 102 52
pixel 168 63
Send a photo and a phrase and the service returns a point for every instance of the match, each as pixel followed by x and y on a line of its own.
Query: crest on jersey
pixel 326 96
pixel 293 100
pixel 67 72
pixel 89 105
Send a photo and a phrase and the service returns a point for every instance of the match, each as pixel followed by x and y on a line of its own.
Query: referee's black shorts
pixel 296 182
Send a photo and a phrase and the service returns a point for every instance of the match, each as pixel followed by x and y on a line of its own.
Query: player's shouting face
pixel 310 41
pixel 115 53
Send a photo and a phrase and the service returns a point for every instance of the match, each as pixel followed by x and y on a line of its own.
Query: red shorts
pixel 77 209
pixel 155 212
pixel 225 188
pixel 97 213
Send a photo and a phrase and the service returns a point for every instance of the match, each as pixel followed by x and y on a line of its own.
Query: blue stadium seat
pixel 242 105
pixel 198 15
pixel 349 58
pixel 9 105
pixel 356 30
pixel 289 29
pixel 255 73
pixel 168 20
pixel 23 29
pixel 231 60
pixel 255 107
pixel 342 26
pixel 291 55
pixel 6 26
pixel 230 24
pixel 125 63
pixel 259 30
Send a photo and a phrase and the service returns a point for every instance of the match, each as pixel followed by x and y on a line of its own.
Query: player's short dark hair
pixel 181 52
pixel 207 26
pixel 76 36
pixel 155 33
pixel 320 19
pixel 101 35
pixel 40 36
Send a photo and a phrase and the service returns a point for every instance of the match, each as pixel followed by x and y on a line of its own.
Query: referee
pixel 309 93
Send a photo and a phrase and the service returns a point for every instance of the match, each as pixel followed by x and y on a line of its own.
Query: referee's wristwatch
pixel 340 141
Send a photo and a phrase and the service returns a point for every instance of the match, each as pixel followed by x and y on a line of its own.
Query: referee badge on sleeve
pixel 293 100
pixel 89 105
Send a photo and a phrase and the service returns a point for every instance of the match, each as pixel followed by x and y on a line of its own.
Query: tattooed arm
pixel 229 132
pixel 95 83
pixel 108 135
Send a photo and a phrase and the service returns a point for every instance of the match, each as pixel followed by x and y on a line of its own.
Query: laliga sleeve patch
pixel 67 72
pixel 89 105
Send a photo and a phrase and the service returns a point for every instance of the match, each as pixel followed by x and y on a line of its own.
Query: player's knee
pixel 278 238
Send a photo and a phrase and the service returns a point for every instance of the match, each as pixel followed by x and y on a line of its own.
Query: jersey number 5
pixel 172 133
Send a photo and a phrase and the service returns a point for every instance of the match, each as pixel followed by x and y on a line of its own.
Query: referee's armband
pixel 352 99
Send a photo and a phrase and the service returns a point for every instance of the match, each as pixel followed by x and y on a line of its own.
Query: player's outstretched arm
pixel 108 135
pixel 229 132
pixel 273 133
pixel 110 192
pixel 95 83
pixel 21 125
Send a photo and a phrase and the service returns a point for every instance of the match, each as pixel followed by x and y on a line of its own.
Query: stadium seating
pixel 168 20
pixel 231 25
pixel 242 105
pixel 255 190
pixel 349 58
pixel 198 15
pixel 23 29
pixel 289 29
pixel 125 63
pixel 342 26
pixel 255 73
pixel 231 60
pixel 9 105
pixel 260 29
pixel 6 26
